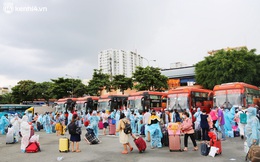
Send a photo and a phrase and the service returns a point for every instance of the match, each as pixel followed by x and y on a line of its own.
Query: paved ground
pixel 109 150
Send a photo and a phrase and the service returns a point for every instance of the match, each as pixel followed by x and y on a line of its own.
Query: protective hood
pixel 251 111
pixel 25 118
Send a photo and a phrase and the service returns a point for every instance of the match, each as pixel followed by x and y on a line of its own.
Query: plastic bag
pixel 34 138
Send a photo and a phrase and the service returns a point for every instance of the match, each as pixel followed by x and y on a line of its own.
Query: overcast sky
pixel 67 37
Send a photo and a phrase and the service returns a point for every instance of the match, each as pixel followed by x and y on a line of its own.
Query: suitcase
pixel 64 144
pixel 165 138
pixel 204 149
pixel 63 129
pixel 198 135
pixel 91 137
pixel 33 147
pixel 140 144
pixel 112 129
pixel 10 136
pixel 100 125
pixel 175 143
pixel 217 144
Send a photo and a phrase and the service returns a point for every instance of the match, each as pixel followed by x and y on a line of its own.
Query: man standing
pixel 221 122
pixel 242 120
pixel 165 117
pixel 146 118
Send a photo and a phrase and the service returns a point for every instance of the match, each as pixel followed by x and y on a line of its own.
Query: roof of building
pixel 179 72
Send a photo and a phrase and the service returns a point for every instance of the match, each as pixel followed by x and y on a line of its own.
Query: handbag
pixel 254 153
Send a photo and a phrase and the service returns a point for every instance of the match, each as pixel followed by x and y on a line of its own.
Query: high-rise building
pixel 115 62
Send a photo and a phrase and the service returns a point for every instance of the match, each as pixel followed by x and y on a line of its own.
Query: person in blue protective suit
pixel 4 122
pixel 155 130
pixel 94 119
pixel 117 117
pixel 252 129
pixel 133 121
pixel 113 114
pixel 139 122
pixel 48 126
pixel 229 116
pixel 198 119
pixel 70 115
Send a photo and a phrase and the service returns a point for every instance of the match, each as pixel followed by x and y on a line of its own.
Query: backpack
pixel 72 128
pixel 204 149
pixel 127 129
pixel 253 153
pixel 243 117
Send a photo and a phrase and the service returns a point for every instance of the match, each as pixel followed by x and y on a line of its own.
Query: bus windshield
pixel 104 105
pixel 135 104
pixel 228 100
pixel 178 101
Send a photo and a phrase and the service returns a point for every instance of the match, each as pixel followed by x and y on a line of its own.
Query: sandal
pixel 185 149
pixel 73 150
pixel 131 148
pixel 124 152
pixel 78 151
pixel 195 149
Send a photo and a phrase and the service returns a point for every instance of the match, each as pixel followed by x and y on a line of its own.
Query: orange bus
pixel 111 102
pixel 144 100
pixel 65 104
pixel 182 98
pixel 87 103
pixel 236 94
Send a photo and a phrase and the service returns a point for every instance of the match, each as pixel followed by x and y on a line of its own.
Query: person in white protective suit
pixel 25 129
pixel 16 121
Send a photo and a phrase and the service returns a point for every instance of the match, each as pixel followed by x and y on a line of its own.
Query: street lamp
pixel 72 84
pixel 148 61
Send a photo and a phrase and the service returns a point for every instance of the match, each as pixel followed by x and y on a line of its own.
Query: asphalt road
pixel 110 150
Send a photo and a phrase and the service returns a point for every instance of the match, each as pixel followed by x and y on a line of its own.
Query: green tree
pixel 149 78
pixel 121 82
pixel 98 82
pixel 6 98
pixel 229 66
pixel 67 87
pixel 22 91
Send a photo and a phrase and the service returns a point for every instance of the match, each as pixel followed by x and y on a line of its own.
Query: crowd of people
pixel 149 123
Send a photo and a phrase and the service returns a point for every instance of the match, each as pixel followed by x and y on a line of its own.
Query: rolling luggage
pixel 165 138
pixel 63 130
pixel 140 143
pixel 217 144
pixel 10 136
pixel 112 129
pixel 100 125
pixel 204 149
pixel 214 141
pixel 33 147
pixel 91 137
pixel 64 144
pixel 175 143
